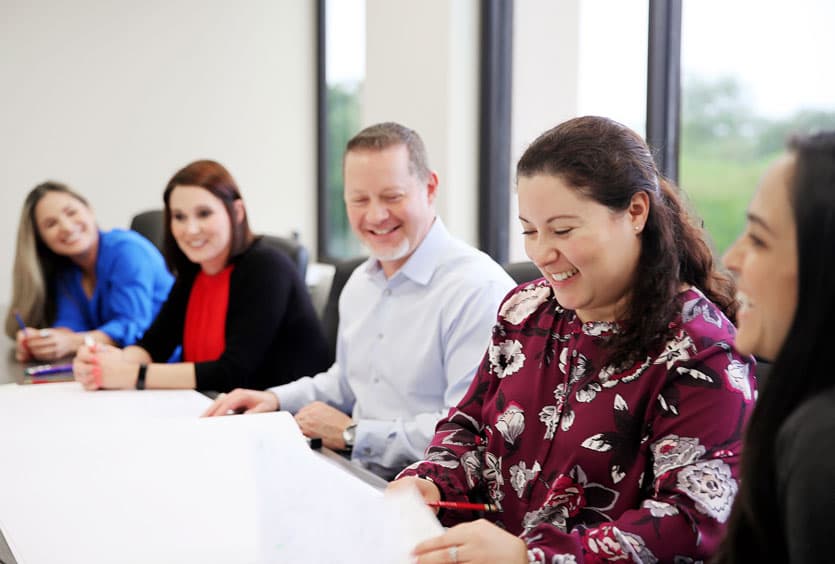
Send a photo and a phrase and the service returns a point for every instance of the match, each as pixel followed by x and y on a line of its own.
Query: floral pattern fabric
pixel 595 463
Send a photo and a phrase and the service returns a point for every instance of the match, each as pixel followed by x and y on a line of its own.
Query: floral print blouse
pixel 589 462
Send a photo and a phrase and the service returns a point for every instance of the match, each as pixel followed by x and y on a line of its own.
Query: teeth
pixel 196 244
pixel 560 276
pixel 378 232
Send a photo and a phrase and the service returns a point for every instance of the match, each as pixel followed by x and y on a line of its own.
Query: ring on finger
pixel 453 553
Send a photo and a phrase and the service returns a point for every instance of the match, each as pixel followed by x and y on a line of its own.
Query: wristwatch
pixel 349 435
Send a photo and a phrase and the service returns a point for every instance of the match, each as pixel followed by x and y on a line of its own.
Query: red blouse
pixel 204 336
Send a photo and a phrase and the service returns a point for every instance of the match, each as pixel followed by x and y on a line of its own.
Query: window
pixel 752 73
pixel 342 22
pixel 612 73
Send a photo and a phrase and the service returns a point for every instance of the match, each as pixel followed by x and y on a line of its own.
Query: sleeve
pixel 329 387
pixel 465 332
pixel 259 296
pixel 454 459
pixel 166 332
pixel 128 307
pixel 805 466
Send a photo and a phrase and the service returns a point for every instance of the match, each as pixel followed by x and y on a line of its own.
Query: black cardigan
pixel 272 333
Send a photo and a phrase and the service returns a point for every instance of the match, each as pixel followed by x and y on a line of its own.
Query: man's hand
pixel 242 401
pixel 319 420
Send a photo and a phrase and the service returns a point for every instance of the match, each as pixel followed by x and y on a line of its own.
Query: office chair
pixel 330 317
pixel 296 251
pixel 150 225
pixel 522 272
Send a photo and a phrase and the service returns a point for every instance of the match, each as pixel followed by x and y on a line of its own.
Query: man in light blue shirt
pixel 414 320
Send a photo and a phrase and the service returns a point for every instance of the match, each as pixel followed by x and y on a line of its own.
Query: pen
pixel 464 505
pixel 45 369
pixel 20 322
pixel 22 328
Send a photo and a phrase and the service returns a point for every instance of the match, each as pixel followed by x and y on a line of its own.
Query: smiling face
pixel 390 209
pixel 66 225
pixel 764 260
pixel 201 226
pixel 586 251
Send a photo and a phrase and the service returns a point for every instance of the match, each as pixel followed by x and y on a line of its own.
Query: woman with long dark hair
pixel 605 421
pixel 239 308
pixel 784 264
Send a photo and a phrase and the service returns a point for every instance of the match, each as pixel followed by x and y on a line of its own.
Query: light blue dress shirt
pixel 407 347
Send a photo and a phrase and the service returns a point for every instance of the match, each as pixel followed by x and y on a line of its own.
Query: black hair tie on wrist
pixel 140 377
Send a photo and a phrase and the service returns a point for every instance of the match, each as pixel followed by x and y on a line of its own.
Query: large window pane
pixel 344 75
pixel 613 60
pixel 752 73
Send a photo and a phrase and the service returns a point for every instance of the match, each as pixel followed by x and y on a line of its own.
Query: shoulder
pixel 463 265
pixel 808 435
pixel 265 261
pixel 526 302
pixel 702 320
pixel 124 245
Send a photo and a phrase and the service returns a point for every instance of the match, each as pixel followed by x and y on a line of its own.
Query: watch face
pixel 349 435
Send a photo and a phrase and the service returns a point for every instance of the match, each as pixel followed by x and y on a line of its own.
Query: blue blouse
pixel 132 282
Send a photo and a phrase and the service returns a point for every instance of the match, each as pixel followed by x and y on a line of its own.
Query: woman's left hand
pixel 476 542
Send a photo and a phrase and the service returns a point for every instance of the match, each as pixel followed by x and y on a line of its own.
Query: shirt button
pixel 387 292
pixel 376 380
pixel 379 335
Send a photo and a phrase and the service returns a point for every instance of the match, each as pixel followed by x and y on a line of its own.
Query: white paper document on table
pixel 138 477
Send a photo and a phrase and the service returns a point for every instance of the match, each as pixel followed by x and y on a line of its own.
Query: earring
pixel 637 227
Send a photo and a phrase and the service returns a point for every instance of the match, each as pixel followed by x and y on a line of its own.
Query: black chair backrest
pixel 761 372
pixel 522 271
pixel 330 317
pixel 292 248
pixel 150 225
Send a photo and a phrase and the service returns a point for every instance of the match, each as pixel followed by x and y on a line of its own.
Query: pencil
pixel 464 506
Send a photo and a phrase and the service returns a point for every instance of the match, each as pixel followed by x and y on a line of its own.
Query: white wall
pixel 113 97
pixel 422 71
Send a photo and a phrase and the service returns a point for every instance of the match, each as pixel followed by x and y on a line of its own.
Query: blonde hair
pixel 35 265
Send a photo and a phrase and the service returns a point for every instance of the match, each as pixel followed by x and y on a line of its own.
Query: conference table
pixel 11 372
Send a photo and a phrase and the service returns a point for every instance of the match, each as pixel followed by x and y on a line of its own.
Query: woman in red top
pixel 238 307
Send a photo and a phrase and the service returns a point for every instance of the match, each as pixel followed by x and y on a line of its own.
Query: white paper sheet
pixel 137 477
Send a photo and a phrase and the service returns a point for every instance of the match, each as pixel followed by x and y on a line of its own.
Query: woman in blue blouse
pixel 72 280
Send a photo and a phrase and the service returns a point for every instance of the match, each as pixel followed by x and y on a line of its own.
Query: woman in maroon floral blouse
pixel 605 420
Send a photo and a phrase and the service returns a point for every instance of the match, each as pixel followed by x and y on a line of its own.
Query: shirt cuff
pixel 293 396
pixel 373 438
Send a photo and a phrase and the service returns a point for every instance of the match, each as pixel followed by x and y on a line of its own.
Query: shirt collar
pixel 424 260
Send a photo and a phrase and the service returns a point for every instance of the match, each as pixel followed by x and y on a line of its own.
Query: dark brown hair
pixel 609 163
pixel 389 134
pixel 216 179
